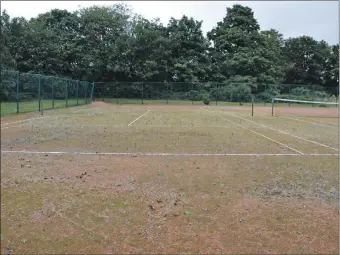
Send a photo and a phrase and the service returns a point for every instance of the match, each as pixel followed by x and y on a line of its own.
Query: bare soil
pixel 165 204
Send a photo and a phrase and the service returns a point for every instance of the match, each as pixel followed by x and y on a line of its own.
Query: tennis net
pixel 305 108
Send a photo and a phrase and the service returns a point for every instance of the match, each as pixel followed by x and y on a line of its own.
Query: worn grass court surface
pixel 8 108
pixel 106 178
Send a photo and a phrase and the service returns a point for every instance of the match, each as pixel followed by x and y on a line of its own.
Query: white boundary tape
pixel 19 121
pixel 163 154
pixel 283 132
pixel 27 120
pixel 318 124
pixel 261 135
pixel 139 117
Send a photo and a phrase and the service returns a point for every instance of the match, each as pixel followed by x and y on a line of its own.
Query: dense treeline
pixel 105 44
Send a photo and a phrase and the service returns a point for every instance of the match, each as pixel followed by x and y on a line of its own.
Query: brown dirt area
pixel 103 204
pixel 166 204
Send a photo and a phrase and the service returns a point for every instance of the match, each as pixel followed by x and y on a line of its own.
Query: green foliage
pixel 114 44
pixel 206 100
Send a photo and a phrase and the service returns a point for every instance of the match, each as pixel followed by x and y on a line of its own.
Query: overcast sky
pixel 319 19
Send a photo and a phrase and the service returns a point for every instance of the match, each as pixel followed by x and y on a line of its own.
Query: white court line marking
pixel 165 154
pixel 283 132
pixel 308 122
pixel 27 120
pixel 12 127
pixel 7 123
pixel 89 109
pixel 327 122
pixel 261 135
pixel 19 121
pixel 139 117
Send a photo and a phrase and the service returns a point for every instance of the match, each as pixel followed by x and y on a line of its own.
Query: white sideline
pixel 164 154
pixel 19 121
pixel 261 135
pixel 88 109
pixel 283 132
pixel 11 127
pixel 139 117
pixel 26 120
pixel 318 124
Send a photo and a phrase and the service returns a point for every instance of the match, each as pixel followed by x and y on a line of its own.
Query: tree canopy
pixel 102 43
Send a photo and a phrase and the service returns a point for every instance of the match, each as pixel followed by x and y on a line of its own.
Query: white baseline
pixel 164 154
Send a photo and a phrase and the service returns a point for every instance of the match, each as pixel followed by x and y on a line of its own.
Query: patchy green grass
pixel 166 204
pixel 33 106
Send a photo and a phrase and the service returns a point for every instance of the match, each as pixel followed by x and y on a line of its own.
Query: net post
pixel 39 92
pixel 77 95
pixel 17 95
pixel 92 91
pixel 66 93
pixel 272 106
pixel 53 94
pixel 252 106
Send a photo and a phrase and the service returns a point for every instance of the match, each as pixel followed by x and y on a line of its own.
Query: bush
pixel 301 91
pixel 241 93
pixel 194 95
pixel 206 100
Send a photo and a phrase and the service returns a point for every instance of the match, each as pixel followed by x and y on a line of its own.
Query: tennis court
pixel 106 178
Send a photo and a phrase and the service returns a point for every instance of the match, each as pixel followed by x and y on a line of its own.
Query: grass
pixel 166 204
pixel 33 106
pixel 8 108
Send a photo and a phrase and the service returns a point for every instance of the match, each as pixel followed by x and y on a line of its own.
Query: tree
pixel 6 58
pixel 307 59
pixel 245 55
pixel 189 50
pixel 331 75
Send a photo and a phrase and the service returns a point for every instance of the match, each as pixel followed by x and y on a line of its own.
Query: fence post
pixel 77 92
pixel 92 91
pixel 17 96
pixel 272 106
pixel 86 92
pixel 116 93
pixel 216 93
pixel 39 91
pixel 252 106
pixel 289 89
pixel 167 93
pixel 66 91
pixel 142 93
pixel 53 94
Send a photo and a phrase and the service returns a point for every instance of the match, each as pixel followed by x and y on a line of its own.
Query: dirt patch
pixel 100 104
pixel 100 204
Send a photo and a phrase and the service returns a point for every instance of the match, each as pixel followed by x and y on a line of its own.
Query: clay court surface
pixel 107 178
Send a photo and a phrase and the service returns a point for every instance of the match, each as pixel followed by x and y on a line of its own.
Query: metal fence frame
pixel 24 88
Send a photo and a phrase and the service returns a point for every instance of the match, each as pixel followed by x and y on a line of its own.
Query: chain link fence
pixel 24 92
pixel 212 93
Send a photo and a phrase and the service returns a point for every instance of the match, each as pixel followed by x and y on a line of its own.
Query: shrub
pixel 241 93
pixel 301 91
pixel 206 100
pixel 194 95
